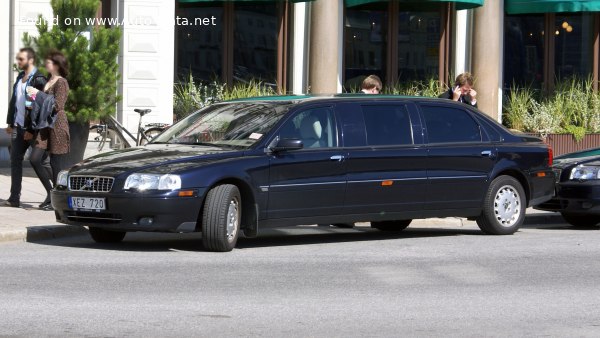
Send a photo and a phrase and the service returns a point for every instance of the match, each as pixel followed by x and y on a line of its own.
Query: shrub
pixel 190 96
pixel 573 108
pixel 428 88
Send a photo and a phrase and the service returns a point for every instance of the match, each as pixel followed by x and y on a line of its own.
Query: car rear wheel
pixel 221 218
pixel 391 225
pixel 503 207
pixel 581 220
pixel 100 235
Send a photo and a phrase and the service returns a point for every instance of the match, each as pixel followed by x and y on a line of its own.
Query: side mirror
pixel 286 144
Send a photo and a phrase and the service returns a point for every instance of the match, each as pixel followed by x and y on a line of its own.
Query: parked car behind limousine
pixel 577 188
pixel 241 166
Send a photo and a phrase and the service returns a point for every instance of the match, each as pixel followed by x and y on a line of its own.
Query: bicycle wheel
pixel 150 135
pixel 101 138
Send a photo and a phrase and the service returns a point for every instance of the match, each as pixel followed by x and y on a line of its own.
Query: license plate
pixel 87 203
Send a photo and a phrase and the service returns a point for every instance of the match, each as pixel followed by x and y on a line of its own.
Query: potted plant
pixel 93 70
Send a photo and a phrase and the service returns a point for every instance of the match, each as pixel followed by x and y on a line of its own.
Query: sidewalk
pixel 27 223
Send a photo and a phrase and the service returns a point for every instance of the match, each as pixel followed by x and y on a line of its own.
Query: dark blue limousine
pixel 237 167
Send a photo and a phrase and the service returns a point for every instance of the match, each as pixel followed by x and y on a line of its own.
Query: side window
pixel 447 124
pixel 315 127
pixel 387 125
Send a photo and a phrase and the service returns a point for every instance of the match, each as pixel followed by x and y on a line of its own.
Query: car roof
pixel 326 97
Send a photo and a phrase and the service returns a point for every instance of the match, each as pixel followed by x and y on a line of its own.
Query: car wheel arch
pixel 519 176
pixel 249 210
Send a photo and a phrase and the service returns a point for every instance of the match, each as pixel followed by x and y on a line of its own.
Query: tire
pixel 503 207
pixel 100 235
pixel 221 218
pixel 581 220
pixel 391 225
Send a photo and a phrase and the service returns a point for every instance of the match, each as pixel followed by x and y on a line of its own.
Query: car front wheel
pixel 100 235
pixel 503 207
pixel 391 225
pixel 581 220
pixel 221 218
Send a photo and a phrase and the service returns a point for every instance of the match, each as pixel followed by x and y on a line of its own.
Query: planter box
pixel 565 143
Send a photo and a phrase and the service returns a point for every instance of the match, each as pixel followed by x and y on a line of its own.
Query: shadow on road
pixel 552 221
pixel 289 236
pixel 354 235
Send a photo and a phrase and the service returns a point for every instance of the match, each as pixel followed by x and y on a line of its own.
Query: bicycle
pixel 120 138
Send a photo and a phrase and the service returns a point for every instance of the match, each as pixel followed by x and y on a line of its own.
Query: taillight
pixel 550 156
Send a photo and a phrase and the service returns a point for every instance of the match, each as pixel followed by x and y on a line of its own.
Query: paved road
pixel 440 281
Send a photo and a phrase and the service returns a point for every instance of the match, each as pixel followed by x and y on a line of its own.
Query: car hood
pixel 562 163
pixel 155 158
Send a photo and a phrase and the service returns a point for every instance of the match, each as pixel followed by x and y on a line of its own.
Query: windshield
pixel 239 124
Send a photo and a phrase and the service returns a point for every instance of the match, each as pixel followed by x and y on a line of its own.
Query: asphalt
pixel 437 281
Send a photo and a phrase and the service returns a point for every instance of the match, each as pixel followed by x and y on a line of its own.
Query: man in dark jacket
pixel 462 91
pixel 17 119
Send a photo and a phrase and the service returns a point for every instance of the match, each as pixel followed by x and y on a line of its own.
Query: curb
pixel 40 233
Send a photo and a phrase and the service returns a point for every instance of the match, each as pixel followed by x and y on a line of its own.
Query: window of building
pixel 248 42
pixel 197 44
pixel 448 125
pixel 524 51
pixel 398 41
pixel 541 49
pixel 255 46
pixel 365 36
pixel 418 45
pixel 387 125
pixel 573 51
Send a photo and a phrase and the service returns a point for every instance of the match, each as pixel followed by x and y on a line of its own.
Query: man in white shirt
pixel 17 120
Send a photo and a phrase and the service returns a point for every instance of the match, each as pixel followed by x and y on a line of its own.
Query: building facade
pixel 328 46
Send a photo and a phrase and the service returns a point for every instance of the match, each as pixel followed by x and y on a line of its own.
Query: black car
pixel 577 188
pixel 250 164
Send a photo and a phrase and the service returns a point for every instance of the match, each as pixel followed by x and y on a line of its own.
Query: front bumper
pixel 575 197
pixel 124 211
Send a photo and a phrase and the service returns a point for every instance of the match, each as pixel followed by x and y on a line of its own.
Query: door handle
pixel 486 153
pixel 338 158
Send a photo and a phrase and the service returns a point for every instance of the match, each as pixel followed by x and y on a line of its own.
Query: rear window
pixel 387 125
pixel 450 125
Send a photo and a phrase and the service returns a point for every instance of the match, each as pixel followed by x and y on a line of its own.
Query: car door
pixel 386 160
pixel 311 181
pixel 460 158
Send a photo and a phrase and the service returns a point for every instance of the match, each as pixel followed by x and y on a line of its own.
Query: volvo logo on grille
pixel 89 184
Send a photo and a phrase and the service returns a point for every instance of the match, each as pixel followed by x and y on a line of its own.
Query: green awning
pixel 460 4
pixel 550 6
pixel 192 1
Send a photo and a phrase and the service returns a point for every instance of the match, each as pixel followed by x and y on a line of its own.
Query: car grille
pixel 91 183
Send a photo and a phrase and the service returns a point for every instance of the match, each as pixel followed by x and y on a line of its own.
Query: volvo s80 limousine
pixel 238 167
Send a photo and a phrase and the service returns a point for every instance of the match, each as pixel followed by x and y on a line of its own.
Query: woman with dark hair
pixel 55 139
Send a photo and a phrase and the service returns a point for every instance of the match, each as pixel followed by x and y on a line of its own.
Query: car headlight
pixel 585 172
pixel 153 182
pixel 63 178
